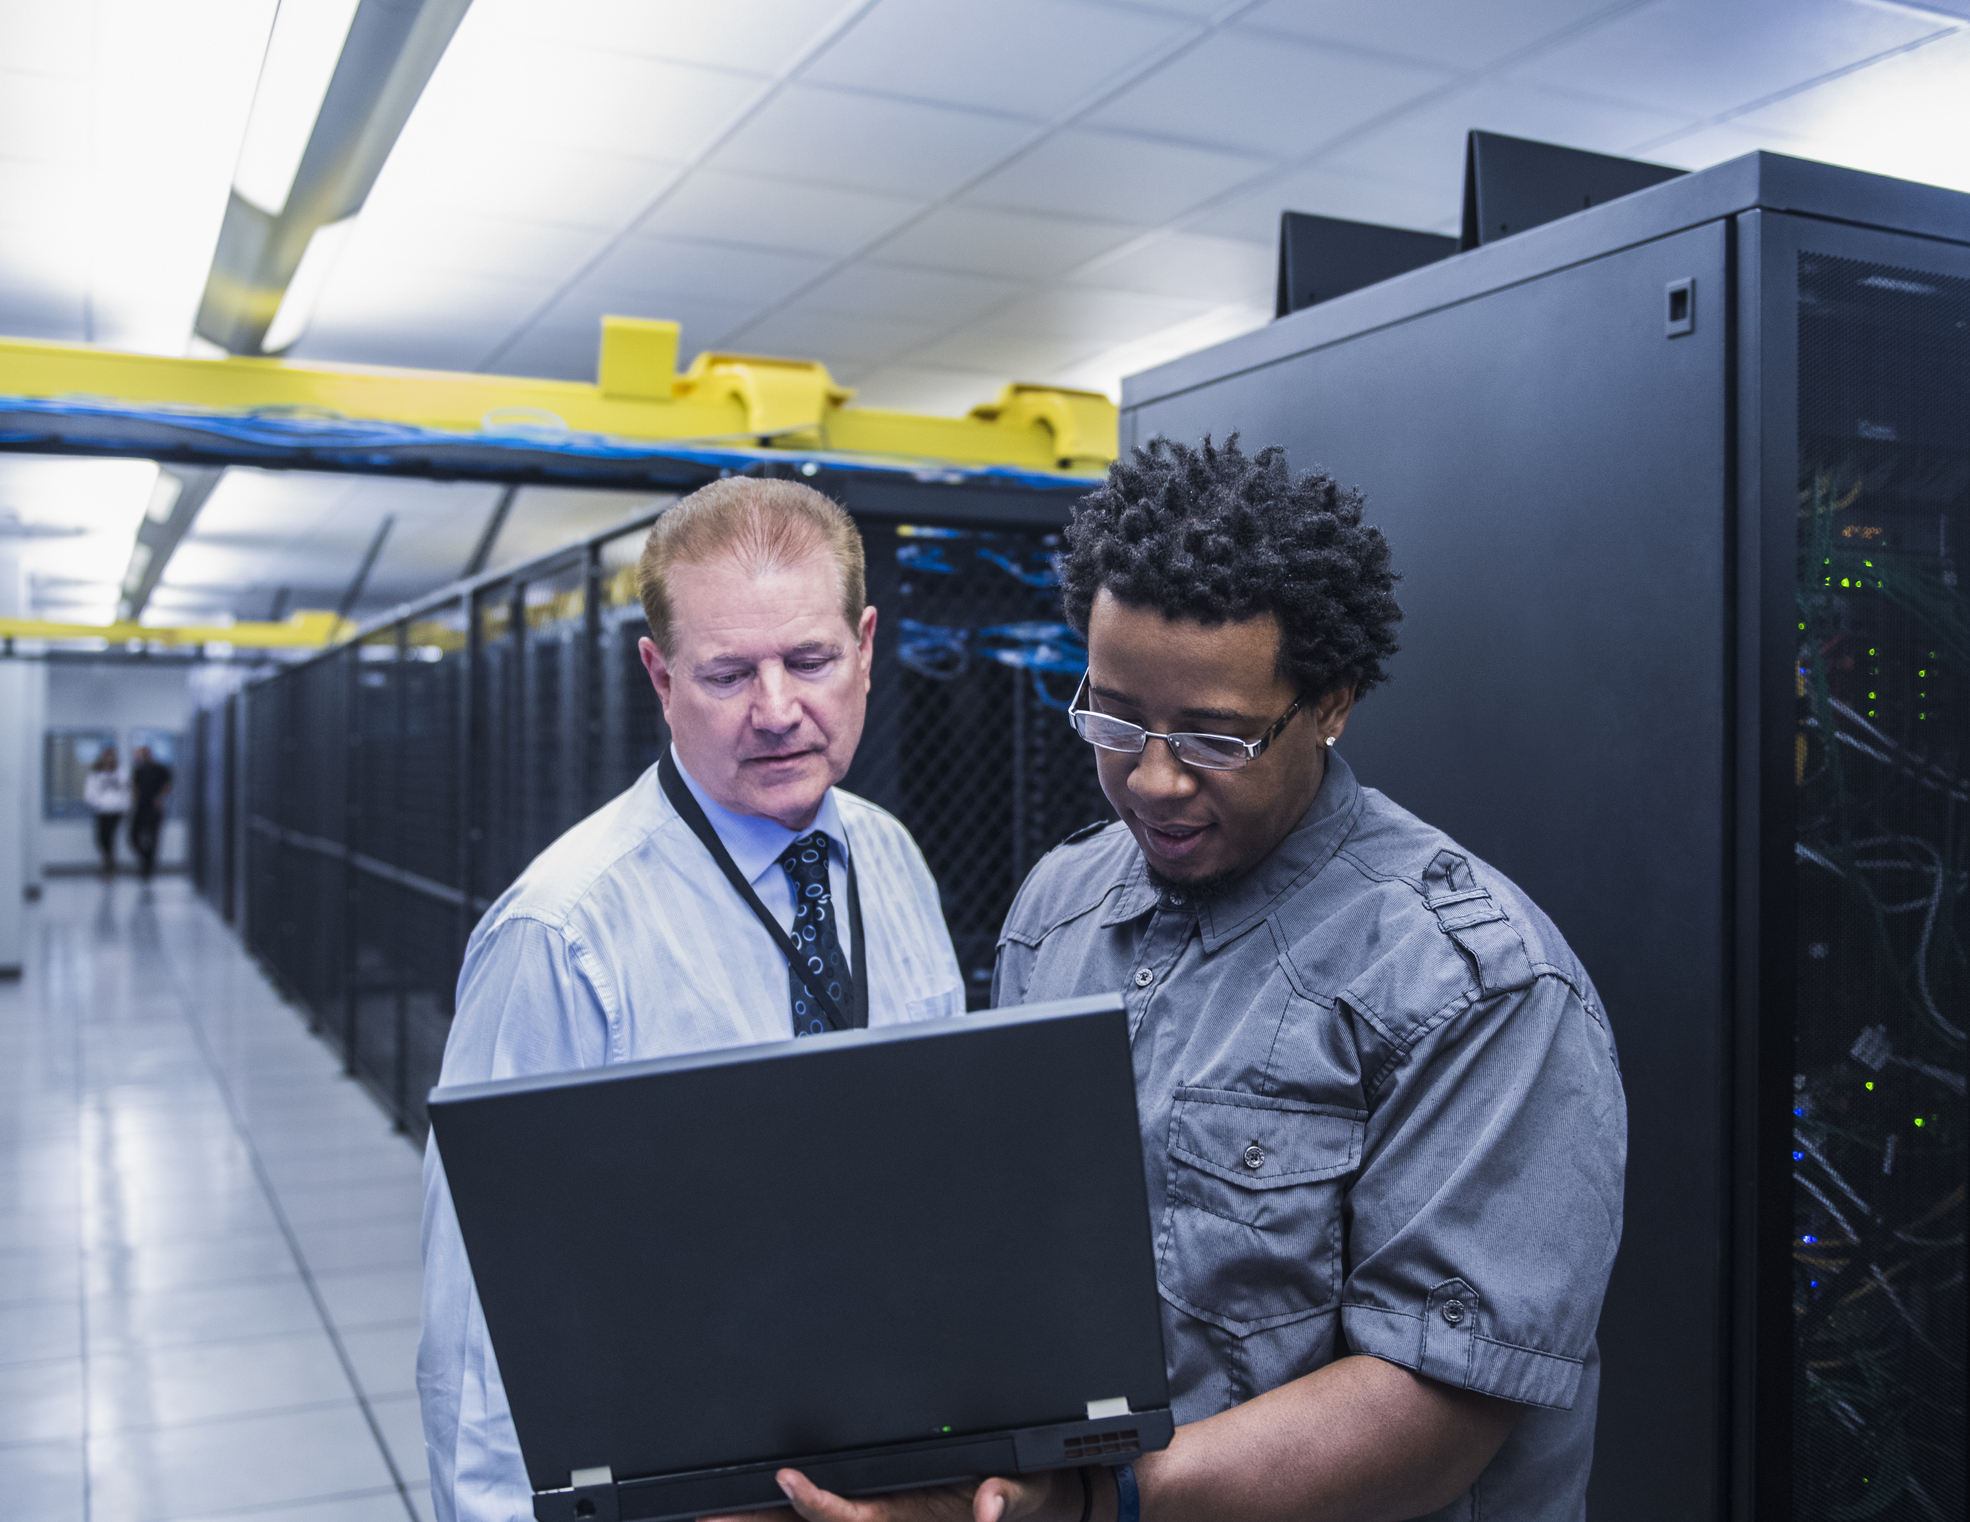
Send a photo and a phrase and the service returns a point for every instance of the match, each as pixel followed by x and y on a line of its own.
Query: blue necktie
pixel 814 938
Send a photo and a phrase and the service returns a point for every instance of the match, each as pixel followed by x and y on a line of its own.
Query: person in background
pixel 108 796
pixel 150 785
pixel 667 921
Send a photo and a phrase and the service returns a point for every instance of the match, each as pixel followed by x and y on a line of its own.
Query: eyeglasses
pixel 1216 753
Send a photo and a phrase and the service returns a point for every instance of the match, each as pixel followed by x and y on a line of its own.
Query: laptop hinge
pixel 592 1498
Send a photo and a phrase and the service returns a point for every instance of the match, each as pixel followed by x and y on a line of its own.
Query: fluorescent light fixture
pixel 297 305
pixel 301 57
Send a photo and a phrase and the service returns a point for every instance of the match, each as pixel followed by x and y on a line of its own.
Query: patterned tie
pixel 814 935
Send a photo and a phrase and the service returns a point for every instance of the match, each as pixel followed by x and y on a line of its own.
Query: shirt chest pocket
pixel 1252 1227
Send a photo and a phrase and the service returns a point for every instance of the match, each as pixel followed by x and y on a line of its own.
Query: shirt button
pixel 1453 1311
pixel 1176 898
pixel 1144 977
pixel 1255 1156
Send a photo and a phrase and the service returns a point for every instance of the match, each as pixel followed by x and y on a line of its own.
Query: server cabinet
pixel 1684 656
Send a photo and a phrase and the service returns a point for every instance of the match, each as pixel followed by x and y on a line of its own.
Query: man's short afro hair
pixel 1210 534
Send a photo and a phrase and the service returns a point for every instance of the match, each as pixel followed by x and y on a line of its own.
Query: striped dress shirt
pixel 624 941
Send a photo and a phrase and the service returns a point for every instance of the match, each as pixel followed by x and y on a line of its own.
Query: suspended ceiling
pixel 932 197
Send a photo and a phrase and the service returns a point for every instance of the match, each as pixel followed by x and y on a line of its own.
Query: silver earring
pixel 1330 739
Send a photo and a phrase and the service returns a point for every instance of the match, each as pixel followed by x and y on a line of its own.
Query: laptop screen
pixel 799 1248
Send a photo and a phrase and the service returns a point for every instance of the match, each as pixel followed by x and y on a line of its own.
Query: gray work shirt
pixel 1380 1114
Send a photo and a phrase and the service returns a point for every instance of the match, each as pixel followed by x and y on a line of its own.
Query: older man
pixel 732 895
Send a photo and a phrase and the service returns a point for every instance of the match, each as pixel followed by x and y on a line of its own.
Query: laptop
pixel 890 1258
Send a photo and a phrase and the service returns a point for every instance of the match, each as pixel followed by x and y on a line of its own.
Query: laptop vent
pixel 1102 1442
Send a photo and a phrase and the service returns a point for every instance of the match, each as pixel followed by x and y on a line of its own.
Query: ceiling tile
pixel 46 39
pixel 1105 370
pixel 43 116
pixel 1326 192
pixel 756 36
pixel 774 213
pixel 1184 264
pixel 834 339
pixel 937 297
pixel 923 388
pixel 1696 57
pixel 893 147
pixel 1014 356
pixel 1267 95
pixel 470 243
pixel 527 87
pixel 1112 175
pixel 571 330
pixel 715 272
pixel 1907 116
pixel 1116 316
pixel 991 241
pixel 570 185
pixel 1426 147
pixel 1458 34
pixel 1035 58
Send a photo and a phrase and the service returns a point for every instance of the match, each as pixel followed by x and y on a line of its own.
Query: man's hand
pixel 1052 1497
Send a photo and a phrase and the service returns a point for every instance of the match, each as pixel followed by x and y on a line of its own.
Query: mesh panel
pixel 396 787
pixel 967 740
pixel 1883 848
pixel 632 733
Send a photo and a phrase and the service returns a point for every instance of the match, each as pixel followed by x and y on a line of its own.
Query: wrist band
pixel 1128 1500
pixel 1087 1493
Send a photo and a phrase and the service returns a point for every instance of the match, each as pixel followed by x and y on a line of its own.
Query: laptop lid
pixel 862 1238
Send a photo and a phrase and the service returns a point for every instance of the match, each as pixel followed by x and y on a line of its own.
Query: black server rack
pixel 1678 488
pixel 392 787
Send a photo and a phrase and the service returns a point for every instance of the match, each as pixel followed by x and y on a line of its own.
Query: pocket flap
pixel 1264 1143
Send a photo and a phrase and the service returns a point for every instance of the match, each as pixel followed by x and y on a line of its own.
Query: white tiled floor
pixel 208 1237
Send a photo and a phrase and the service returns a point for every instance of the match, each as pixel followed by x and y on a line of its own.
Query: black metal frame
pixel 544 721
pixel 1768 210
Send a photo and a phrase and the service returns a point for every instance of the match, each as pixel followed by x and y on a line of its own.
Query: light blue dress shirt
pixel 623 941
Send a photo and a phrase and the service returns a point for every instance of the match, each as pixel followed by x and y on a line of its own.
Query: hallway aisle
pixel 208 1237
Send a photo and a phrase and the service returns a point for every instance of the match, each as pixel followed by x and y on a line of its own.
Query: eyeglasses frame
pixel 1253 748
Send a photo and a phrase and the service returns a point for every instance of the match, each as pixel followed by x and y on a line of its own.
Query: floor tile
pixel 38 1330
pixel 202 1313
pixel 38 1274
pixel 169 1386
pixel 384 1357
pixel 40 1402
pixel 399 1199
pixel 342 1246
pixel 372 1506
pixel 149 1267
pixel 267 1460
pixel 379 1297
pixel 403 1429
pixel 43 1481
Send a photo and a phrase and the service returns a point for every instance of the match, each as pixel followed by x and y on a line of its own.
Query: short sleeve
pixel 1487 1210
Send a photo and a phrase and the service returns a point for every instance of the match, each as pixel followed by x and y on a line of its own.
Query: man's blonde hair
pixel 763 525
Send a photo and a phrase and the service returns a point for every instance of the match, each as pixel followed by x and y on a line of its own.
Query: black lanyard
pixel 681 799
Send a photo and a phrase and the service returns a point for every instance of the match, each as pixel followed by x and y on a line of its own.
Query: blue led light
pixel 1798 1157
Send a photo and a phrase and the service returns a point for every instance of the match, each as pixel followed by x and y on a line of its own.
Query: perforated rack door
pixel 1882 769
pixel 967 739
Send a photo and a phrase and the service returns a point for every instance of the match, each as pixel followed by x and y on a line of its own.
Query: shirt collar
pixel 1294 861
pixel 756 845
